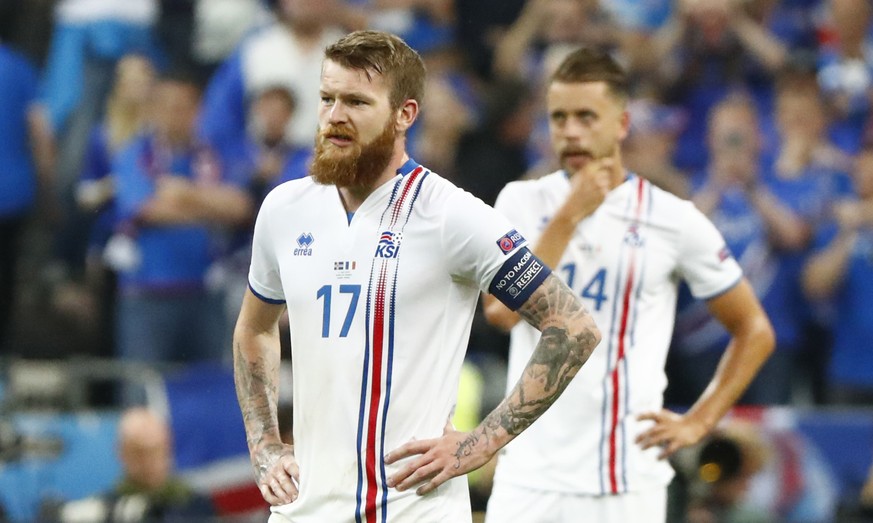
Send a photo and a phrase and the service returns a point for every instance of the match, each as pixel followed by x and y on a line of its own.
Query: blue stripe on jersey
pixel 603 467
pixel 263 298
pixel 399 198
pixel 360 436
pixel 640 284
pixel 391 316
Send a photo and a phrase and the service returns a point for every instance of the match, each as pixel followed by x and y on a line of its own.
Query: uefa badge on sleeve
pixel 509 241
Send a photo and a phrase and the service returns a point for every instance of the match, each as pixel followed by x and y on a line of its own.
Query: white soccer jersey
pixel 625 261
pixel 380 309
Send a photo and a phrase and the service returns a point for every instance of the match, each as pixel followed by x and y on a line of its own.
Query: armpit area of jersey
pixel 518 278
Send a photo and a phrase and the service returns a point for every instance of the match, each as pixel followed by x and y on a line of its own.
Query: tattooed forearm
pixel 569 335
pixel 257 393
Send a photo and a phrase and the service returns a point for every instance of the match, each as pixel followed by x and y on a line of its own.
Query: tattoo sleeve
pixel 569 335
pixel 256 374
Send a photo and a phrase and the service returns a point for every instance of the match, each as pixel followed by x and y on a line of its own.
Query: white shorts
pixel 514 504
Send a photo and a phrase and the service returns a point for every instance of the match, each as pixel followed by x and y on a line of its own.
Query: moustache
pixel 337 131
pixel 573 151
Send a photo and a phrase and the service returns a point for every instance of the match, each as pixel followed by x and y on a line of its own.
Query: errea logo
pixel 304 244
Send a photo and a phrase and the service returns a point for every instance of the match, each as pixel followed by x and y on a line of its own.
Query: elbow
pixel 589 335
pixel 765 335
pixel 596 335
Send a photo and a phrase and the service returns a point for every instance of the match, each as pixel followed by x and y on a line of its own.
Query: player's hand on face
pixel 437 460
pixel 589 187
pixel 671 432
pixel 277 473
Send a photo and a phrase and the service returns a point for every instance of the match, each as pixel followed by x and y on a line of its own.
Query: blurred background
pixel 758 110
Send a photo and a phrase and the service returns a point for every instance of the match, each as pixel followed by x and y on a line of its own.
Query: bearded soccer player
pixel 379 263
pixel 622 245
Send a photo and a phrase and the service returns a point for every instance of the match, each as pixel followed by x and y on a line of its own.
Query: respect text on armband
pixel 518 278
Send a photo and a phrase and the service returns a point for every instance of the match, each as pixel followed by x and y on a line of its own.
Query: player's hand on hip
pixel 438 460
pixel 277 473
pixel 671 432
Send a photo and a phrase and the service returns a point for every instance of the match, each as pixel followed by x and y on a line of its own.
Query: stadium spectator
pixel 841 272
pixel 88 39
pixel 845 67
pixel 26 169
pixel 767 209
pixel 287 53
pixel 542 24
pixel 264 160
pixel 125 116
pixel 172 198
pixel 649 147
pixel 708 49
pixel 198 35
pixel 148 490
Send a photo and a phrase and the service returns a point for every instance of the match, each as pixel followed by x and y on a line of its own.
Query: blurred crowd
pixel 138 138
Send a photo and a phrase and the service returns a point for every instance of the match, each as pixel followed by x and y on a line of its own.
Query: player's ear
pixel 406 115
pixel 625 124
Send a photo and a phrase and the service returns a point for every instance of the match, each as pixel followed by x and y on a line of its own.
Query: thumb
pixel 449 427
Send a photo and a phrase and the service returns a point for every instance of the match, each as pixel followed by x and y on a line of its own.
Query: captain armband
pixel 518 278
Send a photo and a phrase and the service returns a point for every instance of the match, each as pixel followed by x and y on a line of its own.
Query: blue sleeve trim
pixel 518 278
pixel 264 299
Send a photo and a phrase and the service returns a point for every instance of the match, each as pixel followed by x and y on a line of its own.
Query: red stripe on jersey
pixel 622 333
pixel 409 184
pixel 375 396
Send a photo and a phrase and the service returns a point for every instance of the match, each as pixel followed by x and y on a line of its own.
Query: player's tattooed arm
pixel 569 335
pixel 256 357
pixel 258 394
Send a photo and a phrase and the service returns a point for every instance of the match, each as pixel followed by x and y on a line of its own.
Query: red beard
pixel 360 169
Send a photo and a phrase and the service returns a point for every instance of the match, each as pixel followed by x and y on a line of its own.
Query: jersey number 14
pixel 594 289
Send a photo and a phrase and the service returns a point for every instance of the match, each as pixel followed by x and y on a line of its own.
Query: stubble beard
pixel 358 170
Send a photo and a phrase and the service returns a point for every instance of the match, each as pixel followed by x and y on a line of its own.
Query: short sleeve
pixel 512 204
pixel 704 259
pixel 264 280
pixel 483 247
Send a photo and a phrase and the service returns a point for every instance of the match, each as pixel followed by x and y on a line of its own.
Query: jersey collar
pixel 407 167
